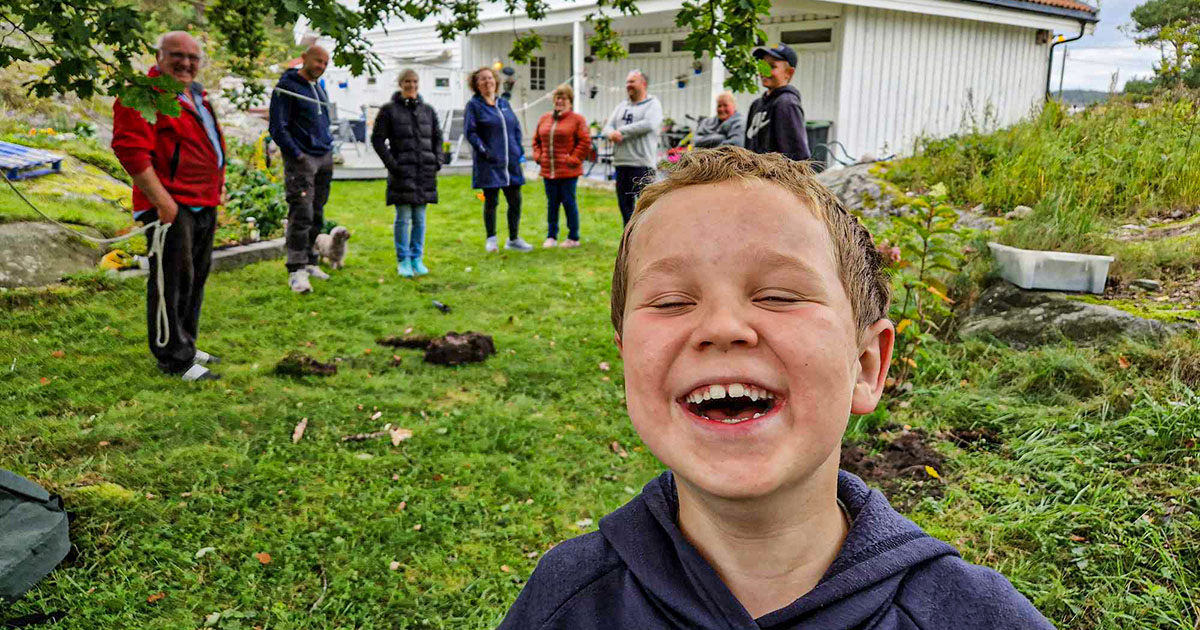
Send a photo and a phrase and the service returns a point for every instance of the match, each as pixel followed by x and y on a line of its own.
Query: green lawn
pixel 1088 503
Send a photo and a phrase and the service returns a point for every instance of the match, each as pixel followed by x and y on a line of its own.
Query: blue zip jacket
pixel 640 572
pixel 300 126
pixel 495 135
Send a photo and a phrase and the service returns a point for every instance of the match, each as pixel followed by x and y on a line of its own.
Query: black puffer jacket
pixel 408 139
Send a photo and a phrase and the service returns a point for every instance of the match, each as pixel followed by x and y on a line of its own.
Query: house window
pixel 537 73
pixel 645 48
pixel 441 83
pixel 809 36
pixel 677 45
pixel 370 80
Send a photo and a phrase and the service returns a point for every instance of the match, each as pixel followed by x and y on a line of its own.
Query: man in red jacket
pixel 178 170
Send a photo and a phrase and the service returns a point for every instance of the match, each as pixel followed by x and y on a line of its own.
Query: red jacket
pixel 560 145
pixel 177 147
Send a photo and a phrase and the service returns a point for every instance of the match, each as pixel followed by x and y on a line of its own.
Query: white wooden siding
pixel 907 75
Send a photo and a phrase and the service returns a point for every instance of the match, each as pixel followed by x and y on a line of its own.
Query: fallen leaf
pixel 531 554
pixel 408 330
pixel 44 380
pixel 156 597
pixel 1123 362
pixel 395 477
pixel 104 443
pixel 263 557
pixel 399 435
pixel 58 354
pixel 929 470
pixel 910 362
pixel 366 351
pixel 504 568
pixel 438 477
pixel 298 432
pixel 417 527
pixel 394 565
pixel 403 504
pixel 935 291
pixel 204 552
pixel 604 366
pixel 618 449
pixel 583 523
pixel 1077 538
pixel 364 456
pixel 377 415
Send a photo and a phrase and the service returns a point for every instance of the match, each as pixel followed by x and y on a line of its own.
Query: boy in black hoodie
pixel 776 120
pixel 751 313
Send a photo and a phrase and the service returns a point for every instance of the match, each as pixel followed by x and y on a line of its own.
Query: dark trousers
pixel 630 182
pixel 186 260
pixel 306 182
pixel 491 201
pixel 562 192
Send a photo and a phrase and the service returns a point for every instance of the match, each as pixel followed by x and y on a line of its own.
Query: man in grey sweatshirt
pixel 633 129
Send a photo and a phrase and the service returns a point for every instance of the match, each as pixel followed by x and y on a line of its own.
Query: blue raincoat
pixel 495 135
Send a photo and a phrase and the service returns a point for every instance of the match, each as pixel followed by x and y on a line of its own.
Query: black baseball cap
pixel 778 51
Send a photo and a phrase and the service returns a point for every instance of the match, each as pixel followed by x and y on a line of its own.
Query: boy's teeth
pixel 716 392
pixel 736 389
pixel 732 390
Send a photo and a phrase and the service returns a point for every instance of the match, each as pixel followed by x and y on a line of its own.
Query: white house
pixel 883 72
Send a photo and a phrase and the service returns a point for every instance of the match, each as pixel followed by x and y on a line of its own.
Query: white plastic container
pixel 1056 271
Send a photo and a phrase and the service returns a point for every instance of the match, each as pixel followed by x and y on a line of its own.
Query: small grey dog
pixel 332 246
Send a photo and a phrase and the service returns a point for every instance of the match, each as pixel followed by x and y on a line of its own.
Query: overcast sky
pixel 1092 60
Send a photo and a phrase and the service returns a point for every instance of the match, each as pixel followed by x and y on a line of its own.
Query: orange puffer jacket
pixel 561 144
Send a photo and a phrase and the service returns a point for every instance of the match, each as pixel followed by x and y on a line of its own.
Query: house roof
pixel 1065 8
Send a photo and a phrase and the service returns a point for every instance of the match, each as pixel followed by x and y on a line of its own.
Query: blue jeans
pixel 409 231
pixel 562 191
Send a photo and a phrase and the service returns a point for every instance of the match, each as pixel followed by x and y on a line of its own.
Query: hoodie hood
pixel 863 580
pixel 787 89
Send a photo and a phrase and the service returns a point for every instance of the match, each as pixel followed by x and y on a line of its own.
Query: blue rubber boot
pixel 405 269
pixel 418 267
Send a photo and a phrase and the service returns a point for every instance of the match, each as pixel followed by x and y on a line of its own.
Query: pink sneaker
pixel 549 243
pixel 569 243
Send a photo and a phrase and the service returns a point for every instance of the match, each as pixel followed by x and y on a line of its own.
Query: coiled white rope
pixel 162 323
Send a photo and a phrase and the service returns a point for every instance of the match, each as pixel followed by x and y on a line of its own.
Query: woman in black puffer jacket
pixel 408 139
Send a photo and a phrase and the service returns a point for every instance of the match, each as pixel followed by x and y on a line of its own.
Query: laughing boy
pixel 751 313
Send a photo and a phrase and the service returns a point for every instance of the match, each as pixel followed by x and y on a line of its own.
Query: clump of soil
pixel 982 438
pixel 896 464
pixel 456 349
pixel 420 342
pixel 300 364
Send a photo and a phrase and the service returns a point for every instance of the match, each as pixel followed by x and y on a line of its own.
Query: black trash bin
pixel 359 129
pixel 818 136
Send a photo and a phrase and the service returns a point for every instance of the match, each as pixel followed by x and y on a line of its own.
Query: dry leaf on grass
pixel 399 435
pixel 504 568
pixel 618 449
pixel 263 557
pixel 298 432
pixel 1123 362
pixel 377 415
pixel 394 565
pixel 58 354
pixel 155 597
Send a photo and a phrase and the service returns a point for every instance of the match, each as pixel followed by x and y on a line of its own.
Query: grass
pixel 1086 504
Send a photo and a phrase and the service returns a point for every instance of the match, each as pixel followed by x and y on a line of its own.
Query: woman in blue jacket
pixel 492 129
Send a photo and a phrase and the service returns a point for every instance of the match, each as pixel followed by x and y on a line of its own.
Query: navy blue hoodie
pixel 775 124
pixel 296 125
pixel 639 572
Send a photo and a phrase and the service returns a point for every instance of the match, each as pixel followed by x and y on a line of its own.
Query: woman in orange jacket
pixel 560 144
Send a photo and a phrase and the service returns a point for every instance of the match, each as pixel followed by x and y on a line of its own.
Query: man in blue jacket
pixel 300 126
pixel 776 121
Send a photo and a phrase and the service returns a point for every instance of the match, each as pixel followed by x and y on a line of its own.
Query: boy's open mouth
pixel 730 403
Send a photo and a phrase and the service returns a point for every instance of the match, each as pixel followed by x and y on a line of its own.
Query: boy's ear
pixel 617 341
pixel 874 358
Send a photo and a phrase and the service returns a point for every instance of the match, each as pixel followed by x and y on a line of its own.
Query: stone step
pixel 230 257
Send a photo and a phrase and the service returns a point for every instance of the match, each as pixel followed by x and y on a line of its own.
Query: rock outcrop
pixel 1022 317
pixel 38 254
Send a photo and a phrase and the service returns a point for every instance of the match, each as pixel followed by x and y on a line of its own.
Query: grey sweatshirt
pixel 713 132
pixel 639 124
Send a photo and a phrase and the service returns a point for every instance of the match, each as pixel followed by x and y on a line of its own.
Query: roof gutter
pixel 1050 59
pixel 1026 5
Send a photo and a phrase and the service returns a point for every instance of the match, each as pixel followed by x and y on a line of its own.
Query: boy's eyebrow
pixel 771 259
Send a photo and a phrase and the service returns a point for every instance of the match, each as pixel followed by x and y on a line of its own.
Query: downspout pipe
pixel 1050 61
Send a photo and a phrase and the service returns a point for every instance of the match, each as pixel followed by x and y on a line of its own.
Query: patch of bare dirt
pixel 898 462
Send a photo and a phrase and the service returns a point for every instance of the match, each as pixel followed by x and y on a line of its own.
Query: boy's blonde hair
pixel 860 265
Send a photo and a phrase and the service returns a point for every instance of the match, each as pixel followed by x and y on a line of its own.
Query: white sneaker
pixel 298 281
pixel 492 245
pixel 518 244
pixel 315 272
pixel 204 358
pixel 550 242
